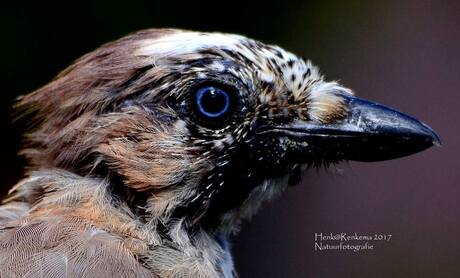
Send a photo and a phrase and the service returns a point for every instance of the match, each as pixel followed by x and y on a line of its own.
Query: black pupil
pixel 213 102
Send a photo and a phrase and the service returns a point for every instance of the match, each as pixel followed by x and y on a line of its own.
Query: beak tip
pixel 432 136
pixel 436 140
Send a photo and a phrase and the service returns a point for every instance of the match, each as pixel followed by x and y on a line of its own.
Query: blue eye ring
pixel 212 102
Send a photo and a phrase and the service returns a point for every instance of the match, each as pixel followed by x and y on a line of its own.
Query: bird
pixel 145 155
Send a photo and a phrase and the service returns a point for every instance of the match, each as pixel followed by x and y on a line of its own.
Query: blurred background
pixel 401 53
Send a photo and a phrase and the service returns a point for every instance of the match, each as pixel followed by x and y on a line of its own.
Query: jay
pixel 145 154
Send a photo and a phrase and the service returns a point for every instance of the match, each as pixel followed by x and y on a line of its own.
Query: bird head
pixel 203 127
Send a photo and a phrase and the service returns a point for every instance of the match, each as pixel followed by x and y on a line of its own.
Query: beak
pixel 370 132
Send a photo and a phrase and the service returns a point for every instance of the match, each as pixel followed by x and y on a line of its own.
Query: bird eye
pixel 212 102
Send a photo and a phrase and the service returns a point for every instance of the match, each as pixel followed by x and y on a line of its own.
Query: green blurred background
pixel 401 53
